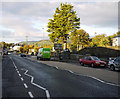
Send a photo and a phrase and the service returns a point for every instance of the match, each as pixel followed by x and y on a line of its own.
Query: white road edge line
pixel 94 78
pixel 25 85
pixel 56 67
pixel 32 78
pixel 30 94
pixel 89 76
pixel 70 71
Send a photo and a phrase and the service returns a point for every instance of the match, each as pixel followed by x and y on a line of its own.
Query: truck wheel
pixel 112 67
pixel 92 65
pixel 81 63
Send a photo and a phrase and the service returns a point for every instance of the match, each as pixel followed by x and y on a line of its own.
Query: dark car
pixel 92 60
pixel 114 64
pixel 23 55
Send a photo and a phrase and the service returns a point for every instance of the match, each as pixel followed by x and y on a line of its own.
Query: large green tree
pixel 80 38
pixel 63 23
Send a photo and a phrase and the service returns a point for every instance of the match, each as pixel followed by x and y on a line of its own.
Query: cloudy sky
pixel 21 19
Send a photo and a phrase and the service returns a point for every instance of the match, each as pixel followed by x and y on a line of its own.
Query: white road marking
pixel 30 94
pixel 98 80
pixel 32 79
pixel 70 71
pixel 93 78
pixel 19 74
pixel 56 67
pixel 47 93
pixel 25 85
pixel 21 78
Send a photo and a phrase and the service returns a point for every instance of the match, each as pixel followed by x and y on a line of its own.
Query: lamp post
pixel 78 42
pixel 43 37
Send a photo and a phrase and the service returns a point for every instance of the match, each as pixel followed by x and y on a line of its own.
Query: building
pixel 116 40
pixel 16 48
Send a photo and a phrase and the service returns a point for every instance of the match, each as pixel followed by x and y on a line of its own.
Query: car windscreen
pixel 117 59
pixel 95 58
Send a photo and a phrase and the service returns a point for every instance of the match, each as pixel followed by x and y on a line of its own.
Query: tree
pixel 80 38
pixel 118 33
pixel 100 40
pixel 64 22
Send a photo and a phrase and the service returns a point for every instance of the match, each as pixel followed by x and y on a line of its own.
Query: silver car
pixel 114 64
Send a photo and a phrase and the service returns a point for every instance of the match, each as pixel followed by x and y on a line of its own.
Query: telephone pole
pixel 27 43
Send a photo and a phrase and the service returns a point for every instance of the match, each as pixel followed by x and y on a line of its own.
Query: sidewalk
pixel 105 75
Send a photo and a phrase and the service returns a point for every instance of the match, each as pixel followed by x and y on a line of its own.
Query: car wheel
pixel 112 67
pixel 92 65
pixel 81 63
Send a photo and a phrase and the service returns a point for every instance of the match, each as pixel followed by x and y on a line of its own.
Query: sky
pixel 22 18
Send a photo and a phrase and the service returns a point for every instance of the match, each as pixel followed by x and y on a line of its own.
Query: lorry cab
pixel 44 53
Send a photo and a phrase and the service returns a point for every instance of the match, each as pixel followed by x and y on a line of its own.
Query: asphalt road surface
pixel 25 78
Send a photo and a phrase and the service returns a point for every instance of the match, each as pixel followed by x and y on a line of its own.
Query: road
pixel 22 77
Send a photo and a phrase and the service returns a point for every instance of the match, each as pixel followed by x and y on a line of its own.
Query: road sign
pixel 57 46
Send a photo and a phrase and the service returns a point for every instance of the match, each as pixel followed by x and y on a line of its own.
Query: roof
pixel 116 36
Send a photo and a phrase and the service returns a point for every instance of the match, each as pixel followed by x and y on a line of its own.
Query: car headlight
pixel 97 63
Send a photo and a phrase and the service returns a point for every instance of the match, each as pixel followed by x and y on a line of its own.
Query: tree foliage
pixel 118 33
pixel 100 40
pixel 80 37
pixel 64 21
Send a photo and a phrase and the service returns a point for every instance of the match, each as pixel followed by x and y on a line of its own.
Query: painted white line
pixel 32 79
pixel 94 78
pixel 70 71
pixel 21 78
pixel 19 74
pixel 56 67
pixel 30 94
pixel 39 86
pixel 16 69
pixel 47 93
pixel 25 85
pixel 99 80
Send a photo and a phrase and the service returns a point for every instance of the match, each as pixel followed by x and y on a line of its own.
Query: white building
pixel 16 48
pixel 116 40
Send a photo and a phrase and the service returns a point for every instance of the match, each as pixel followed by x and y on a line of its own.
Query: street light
pixel 78 42
pixel 43 37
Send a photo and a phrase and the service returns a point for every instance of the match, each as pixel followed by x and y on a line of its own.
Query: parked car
pixel 114 64
pixel 92 61
pixel 23 55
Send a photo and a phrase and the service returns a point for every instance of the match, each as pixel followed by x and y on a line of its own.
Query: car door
pixel 85 60
pixel 89 60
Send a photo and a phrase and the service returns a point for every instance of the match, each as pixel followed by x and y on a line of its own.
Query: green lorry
pixel 44 53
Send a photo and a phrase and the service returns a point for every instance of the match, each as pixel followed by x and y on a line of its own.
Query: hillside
pixel 29 42
pixel 43 42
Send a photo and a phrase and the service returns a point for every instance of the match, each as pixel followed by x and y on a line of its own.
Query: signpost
pixel 57 46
